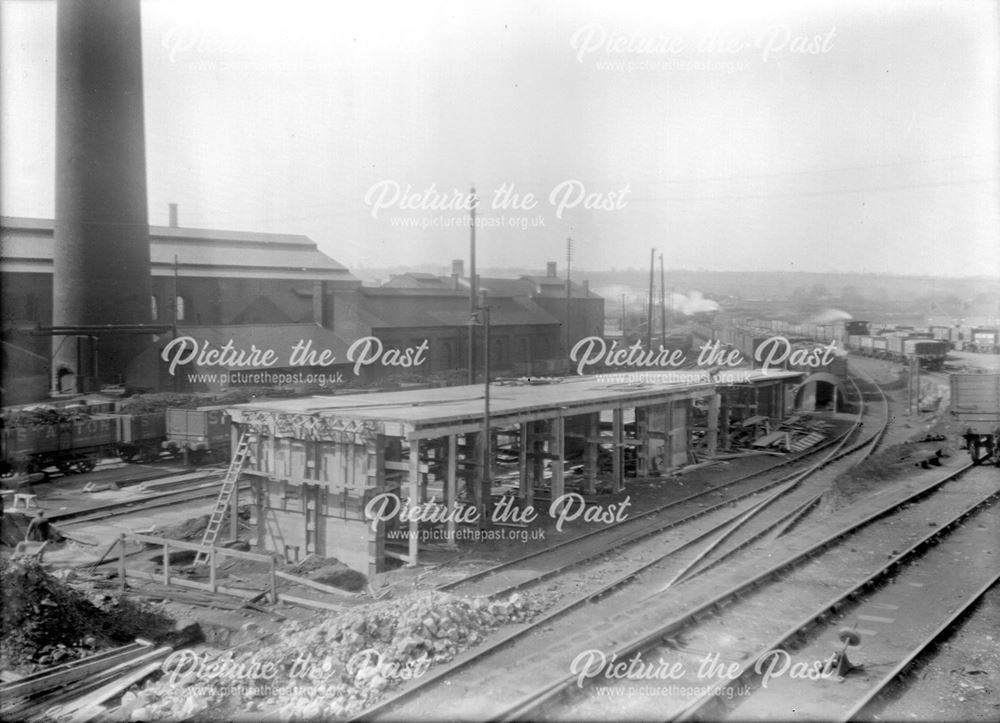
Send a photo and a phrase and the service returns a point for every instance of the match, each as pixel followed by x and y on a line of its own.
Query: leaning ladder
pixel 229 485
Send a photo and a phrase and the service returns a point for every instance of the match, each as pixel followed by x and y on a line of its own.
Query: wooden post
pixel 618 426
pixel 414 500
pixel 558 451
pixel 274 581
pixel 451 490
pixel 166 562
pixel 121 559
pixel 211 568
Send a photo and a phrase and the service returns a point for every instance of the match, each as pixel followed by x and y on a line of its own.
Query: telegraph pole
pixel 649 305
pixel 663 304
pixel 473 300
pixel 569 258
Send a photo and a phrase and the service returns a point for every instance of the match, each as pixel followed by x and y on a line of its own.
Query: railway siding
pixel 519 672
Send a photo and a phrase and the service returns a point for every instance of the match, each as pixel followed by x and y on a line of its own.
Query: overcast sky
pixel 736 136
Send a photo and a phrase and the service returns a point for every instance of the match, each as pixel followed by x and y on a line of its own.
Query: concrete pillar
pixel 451 488
pixel 558 430
pixel 618 449
pixel 724 421
pixel 712 428
pixel 414 500
pixel 537 461
pixel 101 271
pixel 376 537
pixel 642 436
pixel 592 432
pixel 526 466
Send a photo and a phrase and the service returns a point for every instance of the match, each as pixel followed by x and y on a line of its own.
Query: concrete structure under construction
pixel 318 462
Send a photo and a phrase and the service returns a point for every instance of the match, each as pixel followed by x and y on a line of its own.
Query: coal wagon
pixel 975 404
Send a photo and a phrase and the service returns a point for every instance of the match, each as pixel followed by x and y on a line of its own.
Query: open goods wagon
pixel 975 404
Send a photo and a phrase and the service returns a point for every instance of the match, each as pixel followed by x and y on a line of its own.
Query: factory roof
pixel 547 286
pixel 387 307
pixel 27 247
pixel 425 413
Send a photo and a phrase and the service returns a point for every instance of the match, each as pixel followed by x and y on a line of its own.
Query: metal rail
pixel 392 703
pixel 638 536
pixel 528 705
pixel 707 704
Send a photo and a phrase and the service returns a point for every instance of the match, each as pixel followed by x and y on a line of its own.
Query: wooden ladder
pixel 226 492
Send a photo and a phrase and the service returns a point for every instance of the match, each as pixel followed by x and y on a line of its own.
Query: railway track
pixel 208 488
pixel 817 588
pixel 658 558
pixel 528 680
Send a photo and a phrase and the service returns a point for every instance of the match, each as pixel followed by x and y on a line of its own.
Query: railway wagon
pixel 930 353
pixel 140 436
pixel 863 343
pixel 975 404
pixel 69 446
pixel 984 341
pixel 825 332
pixel 896 345
pixel 942 333
pixel 198 433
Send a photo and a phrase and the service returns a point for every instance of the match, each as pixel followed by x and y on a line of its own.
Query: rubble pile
pixel 333 667
pixel 44 621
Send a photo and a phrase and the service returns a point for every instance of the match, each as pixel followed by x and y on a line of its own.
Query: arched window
pixel 153 308
pixel 180 308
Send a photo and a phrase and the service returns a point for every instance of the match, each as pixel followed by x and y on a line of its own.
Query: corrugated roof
pixel 27 245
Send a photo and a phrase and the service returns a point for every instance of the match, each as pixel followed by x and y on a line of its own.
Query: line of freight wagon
pixel 74 443
pixel 900 344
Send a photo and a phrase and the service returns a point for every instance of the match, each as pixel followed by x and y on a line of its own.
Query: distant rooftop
pixel 26 246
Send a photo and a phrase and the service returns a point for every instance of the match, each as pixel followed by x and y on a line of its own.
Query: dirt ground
pixel 962 681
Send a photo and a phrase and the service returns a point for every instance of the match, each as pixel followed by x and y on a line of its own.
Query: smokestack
pixel 173 216
pixel 101 272
pixel 550 269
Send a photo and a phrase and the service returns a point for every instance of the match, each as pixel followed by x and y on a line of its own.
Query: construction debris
pixel 333 667
pixel 45 622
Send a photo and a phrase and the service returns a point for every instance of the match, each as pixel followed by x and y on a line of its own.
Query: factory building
pixel 275 290
pixel 547 293
pixel 317 463
pixel 212 285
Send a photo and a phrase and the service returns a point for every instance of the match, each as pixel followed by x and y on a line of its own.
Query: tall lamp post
pixel 481 315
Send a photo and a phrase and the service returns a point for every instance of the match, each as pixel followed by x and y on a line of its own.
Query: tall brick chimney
pixel 101 269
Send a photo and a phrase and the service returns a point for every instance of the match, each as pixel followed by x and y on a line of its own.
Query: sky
pixel 798 136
